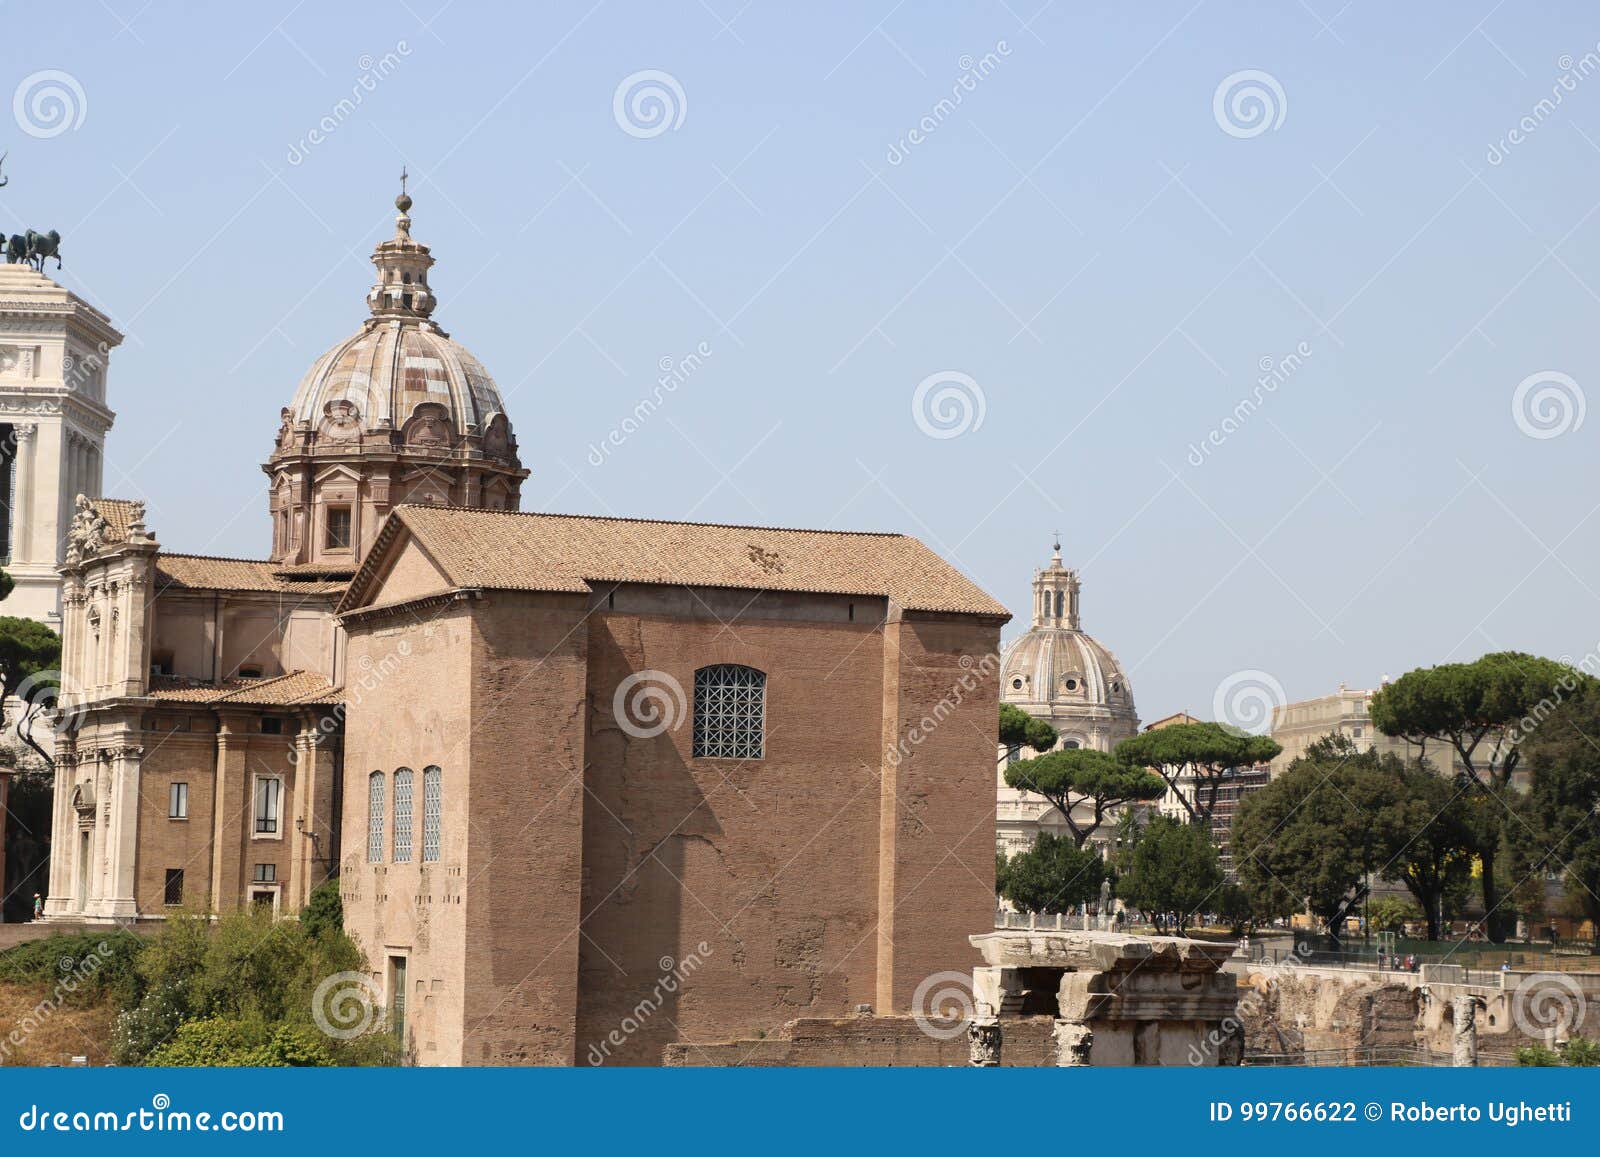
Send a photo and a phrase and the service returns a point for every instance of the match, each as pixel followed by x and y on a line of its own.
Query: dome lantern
pixel 1055 594
pixel 402 287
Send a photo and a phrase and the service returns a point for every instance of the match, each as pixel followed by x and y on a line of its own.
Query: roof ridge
pixel 647 521
pixel 214 557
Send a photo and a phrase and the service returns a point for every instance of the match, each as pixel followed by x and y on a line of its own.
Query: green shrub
pixel 220 1043
pixel 1581 1053
pixel 249 980
pixel 1577 1053
pixel 89 967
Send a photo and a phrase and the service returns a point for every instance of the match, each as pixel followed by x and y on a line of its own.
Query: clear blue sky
pixel 1079 236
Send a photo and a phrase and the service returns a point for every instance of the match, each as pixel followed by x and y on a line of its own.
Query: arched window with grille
pixel 404 812
pixel 375 818
pixel 729 712
pixel 432 812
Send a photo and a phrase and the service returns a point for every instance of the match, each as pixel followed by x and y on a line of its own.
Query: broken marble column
pixel 1464 1042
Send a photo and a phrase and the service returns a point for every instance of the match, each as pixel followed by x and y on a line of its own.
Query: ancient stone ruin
pixel 1116 999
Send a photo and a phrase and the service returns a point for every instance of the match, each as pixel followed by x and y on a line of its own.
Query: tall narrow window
pixel 178 802
pixel 1060 595
pixel 729 712
pixel 269 799
pixel 402 816
pixel 173 895
pixel 432 812
pixel 338 536
pixel 375 818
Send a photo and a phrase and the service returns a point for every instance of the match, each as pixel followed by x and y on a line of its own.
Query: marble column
pixel 22 517
pixel 123 833
pixel 984 1042
pixel 1464 1041
pixel 63 832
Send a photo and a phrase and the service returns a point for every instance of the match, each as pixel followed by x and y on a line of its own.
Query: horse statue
pixel 16 248
pixel 41 247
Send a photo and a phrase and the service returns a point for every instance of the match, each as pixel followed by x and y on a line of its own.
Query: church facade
pixel 551 760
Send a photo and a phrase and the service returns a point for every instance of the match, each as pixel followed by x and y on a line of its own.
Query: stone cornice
pixel 361 616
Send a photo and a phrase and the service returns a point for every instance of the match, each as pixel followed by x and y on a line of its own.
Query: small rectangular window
pixel 270 726
pixel 266 874
pixel 338 537
pixel 269 795
pixel 174 892
pixel 178 802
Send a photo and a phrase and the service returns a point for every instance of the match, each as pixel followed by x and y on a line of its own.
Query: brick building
pixel 661 743
pixel 591 786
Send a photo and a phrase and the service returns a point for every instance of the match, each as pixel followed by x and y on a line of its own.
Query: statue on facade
pixel 87 534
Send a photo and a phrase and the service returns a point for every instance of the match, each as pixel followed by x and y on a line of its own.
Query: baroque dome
pixel 1059 673
pixel 403 377
pixel 396 413
pixel 399 381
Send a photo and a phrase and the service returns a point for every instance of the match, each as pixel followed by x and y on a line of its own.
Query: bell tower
pixel 1055 594
pixel 54 348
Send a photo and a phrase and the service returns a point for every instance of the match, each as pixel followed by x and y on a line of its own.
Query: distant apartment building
pixel 1296 726
pixel 1237 784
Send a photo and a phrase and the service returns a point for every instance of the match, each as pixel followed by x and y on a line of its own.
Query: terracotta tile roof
pixel 559 552
pixel 301 570
pixel 297 688
pixel 202 572
pixel 118 513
